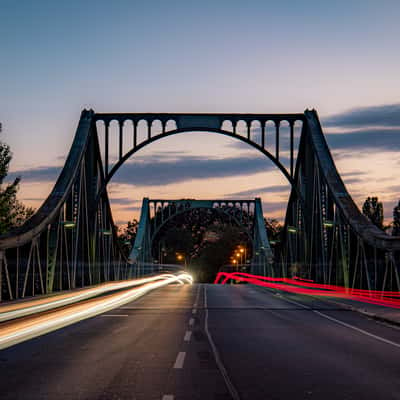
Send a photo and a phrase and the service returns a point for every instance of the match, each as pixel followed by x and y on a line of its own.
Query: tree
pixel 373 210
pixel 203 239
pixel 12 212
pixel 217 253
pixel 396 220
pixel 273 227
pixel 126 236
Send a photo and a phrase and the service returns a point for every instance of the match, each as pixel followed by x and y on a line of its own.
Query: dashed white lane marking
pixel 191 321
pixel 180 359
pixel 188 335
pixel 168 397
pixel 114 315
pixel 379 338
pixel 194 311
pixel 232 390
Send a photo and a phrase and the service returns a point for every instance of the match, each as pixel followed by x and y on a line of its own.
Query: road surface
pixel 210 342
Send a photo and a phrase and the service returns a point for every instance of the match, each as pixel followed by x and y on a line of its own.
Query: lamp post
pixel 238 256
pixel 181 257
pixel 242 250
pixel 234 269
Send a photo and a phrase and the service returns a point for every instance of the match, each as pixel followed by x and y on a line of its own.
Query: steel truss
pixel 326 238
pixel 247 214
pixel 71 240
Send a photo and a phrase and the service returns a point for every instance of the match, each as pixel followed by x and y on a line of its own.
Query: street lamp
pixel 181 257
pixel 69 224
pixel 328 224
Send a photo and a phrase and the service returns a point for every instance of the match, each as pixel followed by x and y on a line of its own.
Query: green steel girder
pixel 324 233
pixel 141 251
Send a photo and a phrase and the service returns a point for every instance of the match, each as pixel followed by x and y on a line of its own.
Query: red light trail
pixel 308 287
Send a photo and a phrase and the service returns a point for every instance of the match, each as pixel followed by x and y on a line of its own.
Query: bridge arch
pixel 150 225
pixel 208 123
pixel 153 139
pixel 219 206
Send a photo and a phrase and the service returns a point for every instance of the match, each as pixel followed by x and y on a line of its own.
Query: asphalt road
pixel 260 346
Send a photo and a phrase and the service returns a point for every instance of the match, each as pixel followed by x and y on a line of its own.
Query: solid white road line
pixel 114 315
pixel 180 359
pixel 381 339
pixel 197 297
pixel 191 321
pixel 354 328
pixel 188 336
pixel 232 390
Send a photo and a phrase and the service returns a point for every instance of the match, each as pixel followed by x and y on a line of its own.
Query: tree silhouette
pixel 126 236
pixel 396 220
pixel 273 227
pixel 12 212
pixel 373 210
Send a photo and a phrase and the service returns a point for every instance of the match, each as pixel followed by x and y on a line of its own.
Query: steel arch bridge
pixel 71 240
pixel 247 214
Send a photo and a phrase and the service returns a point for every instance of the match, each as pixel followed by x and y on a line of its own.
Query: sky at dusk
pixel 339 57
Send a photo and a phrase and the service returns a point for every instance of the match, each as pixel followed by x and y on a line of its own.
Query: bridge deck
pixel 271 348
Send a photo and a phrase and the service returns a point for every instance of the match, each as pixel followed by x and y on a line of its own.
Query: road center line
pixel 180 359
pixel 188 336
pixel 194 311
pixel 191 321
pixel 362 331
pixel 232 390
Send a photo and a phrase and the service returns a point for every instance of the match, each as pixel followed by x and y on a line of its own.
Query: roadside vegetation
pixel 13 212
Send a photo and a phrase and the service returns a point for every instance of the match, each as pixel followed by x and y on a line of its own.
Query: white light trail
pixel 9 312
pixel 20 331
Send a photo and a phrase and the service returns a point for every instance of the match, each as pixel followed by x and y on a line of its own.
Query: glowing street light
pixel 328 224
pixel 69 224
